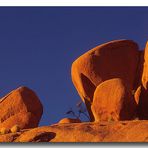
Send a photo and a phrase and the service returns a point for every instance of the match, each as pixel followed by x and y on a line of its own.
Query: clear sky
pixel 38 46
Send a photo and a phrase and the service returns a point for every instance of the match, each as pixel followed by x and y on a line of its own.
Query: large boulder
pixel 20 107
pixel 113 101
pixel 115 59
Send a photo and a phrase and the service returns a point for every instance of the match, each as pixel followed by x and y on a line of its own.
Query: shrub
pixel 81 111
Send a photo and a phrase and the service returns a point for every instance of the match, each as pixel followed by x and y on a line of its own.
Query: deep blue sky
pixel 38 46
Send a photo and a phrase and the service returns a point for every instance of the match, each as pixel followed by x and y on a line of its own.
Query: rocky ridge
pixel 111 80
pixel 117 131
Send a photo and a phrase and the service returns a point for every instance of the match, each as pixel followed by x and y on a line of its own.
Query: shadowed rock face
pixel 20 107
pixel 142 93
pixel 113 101
pixel 116 59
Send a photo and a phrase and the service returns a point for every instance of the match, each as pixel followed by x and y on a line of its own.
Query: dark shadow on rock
pixel 44 137
pixel 139 71
pixel 143 105
pixel 89 88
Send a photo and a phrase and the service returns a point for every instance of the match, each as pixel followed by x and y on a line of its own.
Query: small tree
pixel 82 111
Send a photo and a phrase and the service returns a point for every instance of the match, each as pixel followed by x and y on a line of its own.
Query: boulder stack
pixel 115 59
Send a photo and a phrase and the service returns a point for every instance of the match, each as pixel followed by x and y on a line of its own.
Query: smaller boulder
pixel 69 120
pixel 20 107
pixel 113 101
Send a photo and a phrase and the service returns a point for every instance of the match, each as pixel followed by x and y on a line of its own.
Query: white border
pixel 73 3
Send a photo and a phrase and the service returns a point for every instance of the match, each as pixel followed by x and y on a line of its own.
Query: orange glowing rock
pixel 137 94
pixel 145 68
pixel 115 59
pixel 20 107
pixel 121 131
pixel 113 101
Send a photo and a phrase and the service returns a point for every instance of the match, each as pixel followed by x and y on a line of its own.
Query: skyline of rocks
pixel 112 81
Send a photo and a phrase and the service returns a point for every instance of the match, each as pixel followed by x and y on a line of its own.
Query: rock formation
pixel 20 107
pixel 121 131
pixel 115 59
pixel 111 79
pixel 113 101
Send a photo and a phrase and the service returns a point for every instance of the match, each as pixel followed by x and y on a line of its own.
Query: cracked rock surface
pixel 120 131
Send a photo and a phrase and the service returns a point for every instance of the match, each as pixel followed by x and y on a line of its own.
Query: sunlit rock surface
pixel 20 107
